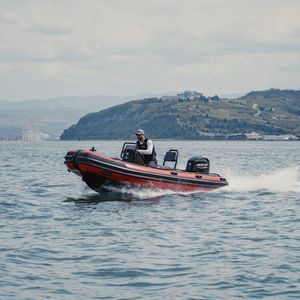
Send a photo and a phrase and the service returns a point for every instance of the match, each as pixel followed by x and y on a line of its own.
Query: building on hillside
pixel 254 136
pixel 282 137
pixel 189 95
pixel 30 134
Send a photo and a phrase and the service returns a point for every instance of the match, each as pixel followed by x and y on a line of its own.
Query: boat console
pixel 129 153
pixel 196 164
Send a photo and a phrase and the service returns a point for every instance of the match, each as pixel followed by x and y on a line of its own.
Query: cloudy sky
pixel 117 47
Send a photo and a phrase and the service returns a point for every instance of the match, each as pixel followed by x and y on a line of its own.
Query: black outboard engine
pixel 198 164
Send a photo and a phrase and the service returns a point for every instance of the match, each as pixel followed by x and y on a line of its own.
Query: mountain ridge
pixel 35 113
pixel 191 115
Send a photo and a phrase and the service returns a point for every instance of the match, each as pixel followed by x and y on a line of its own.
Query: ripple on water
pixel 61 240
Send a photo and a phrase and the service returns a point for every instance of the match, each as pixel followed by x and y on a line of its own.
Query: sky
pixel 123 48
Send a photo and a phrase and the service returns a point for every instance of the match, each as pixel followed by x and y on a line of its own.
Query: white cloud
pixel 54 48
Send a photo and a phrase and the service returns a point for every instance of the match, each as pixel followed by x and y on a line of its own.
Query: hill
pixel 52 116
pixel 193 116
pixel 49 116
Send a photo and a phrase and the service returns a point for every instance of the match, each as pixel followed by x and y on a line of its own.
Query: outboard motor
pixel 198 164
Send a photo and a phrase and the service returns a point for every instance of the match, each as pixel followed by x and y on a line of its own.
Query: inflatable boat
pixel 100 171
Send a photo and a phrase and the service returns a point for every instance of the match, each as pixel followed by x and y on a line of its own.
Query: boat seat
pixel 171 156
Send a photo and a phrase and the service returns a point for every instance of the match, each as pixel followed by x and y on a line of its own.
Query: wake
pixel 282 180
pixel 279 181
pixel 147 193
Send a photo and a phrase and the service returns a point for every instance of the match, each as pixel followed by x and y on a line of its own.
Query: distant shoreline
pixel 176 140
pixel 158 140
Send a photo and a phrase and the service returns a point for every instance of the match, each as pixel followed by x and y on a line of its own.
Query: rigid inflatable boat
pixel 100 171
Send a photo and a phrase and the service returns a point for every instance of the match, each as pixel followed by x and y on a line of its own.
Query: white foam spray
pixel 147 193
pixel 282 180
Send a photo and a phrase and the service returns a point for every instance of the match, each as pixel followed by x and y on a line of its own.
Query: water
pixel 60 240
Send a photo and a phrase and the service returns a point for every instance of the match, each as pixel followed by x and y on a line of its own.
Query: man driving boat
pixel 145 147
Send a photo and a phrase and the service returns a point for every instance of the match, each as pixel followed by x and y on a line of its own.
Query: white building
pixel 254 136
pixel 30 134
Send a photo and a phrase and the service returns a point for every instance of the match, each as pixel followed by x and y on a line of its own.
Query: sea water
pixel 60 240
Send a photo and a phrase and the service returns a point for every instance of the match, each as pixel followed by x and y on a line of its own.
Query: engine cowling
pixel 198 164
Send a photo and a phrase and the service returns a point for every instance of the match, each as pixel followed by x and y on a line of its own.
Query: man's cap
pixel 140 131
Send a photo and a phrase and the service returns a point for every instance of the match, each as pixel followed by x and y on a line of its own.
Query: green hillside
pixel 193 116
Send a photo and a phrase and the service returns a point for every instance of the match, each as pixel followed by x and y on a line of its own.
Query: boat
pixel 100 171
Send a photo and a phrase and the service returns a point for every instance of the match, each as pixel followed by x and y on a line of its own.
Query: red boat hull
pixel 99 170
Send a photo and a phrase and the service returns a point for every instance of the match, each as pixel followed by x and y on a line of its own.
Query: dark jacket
pixel 147 157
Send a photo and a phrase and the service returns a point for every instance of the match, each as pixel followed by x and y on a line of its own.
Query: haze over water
pixel 60 240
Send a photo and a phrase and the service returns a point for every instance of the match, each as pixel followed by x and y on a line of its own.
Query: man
pixel 146 148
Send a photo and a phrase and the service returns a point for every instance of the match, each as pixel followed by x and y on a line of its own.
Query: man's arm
pixel 149 148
